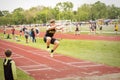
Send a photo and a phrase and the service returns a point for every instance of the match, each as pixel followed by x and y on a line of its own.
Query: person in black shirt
pixel 33 35
pixel 77 31
pixel 48 38
pixel 9 67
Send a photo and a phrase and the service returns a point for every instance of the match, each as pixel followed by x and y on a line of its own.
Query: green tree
pixel 1 14
pixel 5 13
pixel 6 18
pixel 98 10
pixel 84 12
pixel 65 10
pixel 18 16
pixel 113 12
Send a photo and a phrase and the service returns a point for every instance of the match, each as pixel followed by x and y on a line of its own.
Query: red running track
pixel 41 66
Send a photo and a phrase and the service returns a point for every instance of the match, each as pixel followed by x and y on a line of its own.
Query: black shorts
pixel 116 30
pixel 77 30
pixel 4 32
pixel 95 27
pixel 26 36
pixel 100 28
pixel 52 40
pixel 37 32
pixel 20 31
pixel 13 33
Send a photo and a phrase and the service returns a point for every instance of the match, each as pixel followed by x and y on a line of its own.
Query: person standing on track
pixel 116 28
pixel 77 31
pixel 9 67
pixel 33 35
pixel 4 31
pixel 26 33
pixel 48 38
pixel 13 32
pixel 21 30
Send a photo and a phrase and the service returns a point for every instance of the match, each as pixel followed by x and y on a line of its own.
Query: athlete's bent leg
pixel 48 41
pixel 56 44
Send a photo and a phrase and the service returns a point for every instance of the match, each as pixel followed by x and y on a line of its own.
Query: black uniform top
pixel 32 33
pixel 8 70
pixel 50 33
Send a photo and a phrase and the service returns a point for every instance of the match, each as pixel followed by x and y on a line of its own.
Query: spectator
pixel 9 67
pixel 13 32
pixel 116 28
pixel 26 33
pixel 77 31
pixel 100 28
pixel 33 35
pixel 37 30
pixel 21 30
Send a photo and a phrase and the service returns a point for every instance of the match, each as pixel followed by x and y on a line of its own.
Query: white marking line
pixel 41 53
pixel 2 48
pixel 79 62
pixel 84 66
pixel 37 51
pixel 15 57
pixel 38 69
pixel 33 66
pixel 24 70
pixel 91 73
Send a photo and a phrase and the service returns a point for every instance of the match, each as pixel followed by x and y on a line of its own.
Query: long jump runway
pixel 41 66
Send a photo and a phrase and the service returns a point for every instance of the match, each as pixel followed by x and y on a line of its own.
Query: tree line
pixel 62 11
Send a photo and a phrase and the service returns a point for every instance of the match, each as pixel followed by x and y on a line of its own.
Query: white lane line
pixel 91 73
pixel 37 51
pixel 38 69
pixel 23 70
pixel 87 66
pixel 15 57
pixel 33 66
pixel 79 62
pixel 2 48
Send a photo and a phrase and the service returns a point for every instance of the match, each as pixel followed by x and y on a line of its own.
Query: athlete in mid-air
pixel 48 38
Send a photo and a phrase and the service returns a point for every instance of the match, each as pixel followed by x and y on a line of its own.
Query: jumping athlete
pixel 48 38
